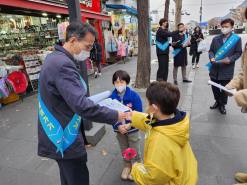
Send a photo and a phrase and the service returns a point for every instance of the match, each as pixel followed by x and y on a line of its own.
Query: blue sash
pixel 177 51
pixel 62 139
pixel 227 46
pixel 162 47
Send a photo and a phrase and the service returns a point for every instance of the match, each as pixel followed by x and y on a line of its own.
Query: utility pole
pixel 144 46
pixel 201 12
pixel 166 13
pixel 74 10
pixel 94 132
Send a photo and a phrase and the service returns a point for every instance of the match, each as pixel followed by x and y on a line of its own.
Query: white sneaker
pixel 95 74
pixel 99 74
pixel 130 177
pixel 193 66
pixel 125 173
pixel 197 65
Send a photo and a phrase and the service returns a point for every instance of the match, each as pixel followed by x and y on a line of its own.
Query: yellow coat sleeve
pixel 149 174
pixel 236 82
pixel 138 121
pixel 241 98
pixel 158 167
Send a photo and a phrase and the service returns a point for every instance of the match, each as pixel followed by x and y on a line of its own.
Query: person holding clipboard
pixel 224 51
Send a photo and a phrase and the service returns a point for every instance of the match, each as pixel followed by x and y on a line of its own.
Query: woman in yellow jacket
pixel 168 157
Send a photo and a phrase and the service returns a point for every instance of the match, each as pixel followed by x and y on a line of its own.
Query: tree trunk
pixel 178 11
pixel 144 53
pixel 166 13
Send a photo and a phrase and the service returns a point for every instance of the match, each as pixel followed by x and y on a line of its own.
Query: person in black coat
pixel 162 36
pixel 96 57
pixel 181 59
pixel 196 38
pixel 222 71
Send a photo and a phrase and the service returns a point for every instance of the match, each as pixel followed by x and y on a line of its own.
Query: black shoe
pixel 187 81
pixel 215 106
pixel 176 82
pixel 222 109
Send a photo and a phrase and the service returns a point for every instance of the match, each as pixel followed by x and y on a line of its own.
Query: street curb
pixel 117 63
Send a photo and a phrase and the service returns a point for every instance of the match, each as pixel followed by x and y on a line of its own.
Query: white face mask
pixel 225 31
pixel 121 88
pixel 82 56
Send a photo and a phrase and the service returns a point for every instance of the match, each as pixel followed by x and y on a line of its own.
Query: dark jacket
pixel 162 36
pixel 64 95
pixel 130 97
pixel 96 53
pixel 221 71
pixel 194 43
pixel 181 59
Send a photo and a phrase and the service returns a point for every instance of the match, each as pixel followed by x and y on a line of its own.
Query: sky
pixel 211 8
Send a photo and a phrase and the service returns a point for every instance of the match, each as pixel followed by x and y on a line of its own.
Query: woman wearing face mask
pixel 196 38
pixel 131 99
pixel 162 49
pixel 221 69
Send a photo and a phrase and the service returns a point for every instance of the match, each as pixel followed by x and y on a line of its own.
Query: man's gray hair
pixel 79 30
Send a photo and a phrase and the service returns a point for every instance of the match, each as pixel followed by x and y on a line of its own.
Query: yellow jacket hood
pixel 176 128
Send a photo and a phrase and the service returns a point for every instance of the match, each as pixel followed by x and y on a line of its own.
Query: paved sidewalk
pixel 19 163
pixel 218 141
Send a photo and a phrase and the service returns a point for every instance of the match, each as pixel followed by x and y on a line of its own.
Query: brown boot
pixel 241 177
pixel 241 184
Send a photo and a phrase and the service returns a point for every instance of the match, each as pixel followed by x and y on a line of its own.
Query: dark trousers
pixel 162 73
pixel 195 58
pixel 220 96
pixel 73 172
pixel 98 65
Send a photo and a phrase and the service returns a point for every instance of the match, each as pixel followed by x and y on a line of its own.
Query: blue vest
pixel 61 138
pixel 227 46
pixel 161 46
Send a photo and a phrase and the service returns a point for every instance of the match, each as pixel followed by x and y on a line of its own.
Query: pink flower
pixel 129 154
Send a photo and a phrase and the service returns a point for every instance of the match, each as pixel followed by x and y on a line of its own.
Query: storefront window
pixel 24 43
pixel 25 32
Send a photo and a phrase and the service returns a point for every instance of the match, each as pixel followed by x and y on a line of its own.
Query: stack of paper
pixel 230 91
pixel 114 104
pixel 103 100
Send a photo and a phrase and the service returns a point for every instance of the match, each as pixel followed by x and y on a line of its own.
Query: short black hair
pixel 181 24
pixel 225 21
pixel 163 20
pixel 165 95
pixel 79 30
pixel 121 75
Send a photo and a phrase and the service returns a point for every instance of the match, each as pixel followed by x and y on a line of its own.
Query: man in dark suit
pixel 63 96
pixel 222 71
